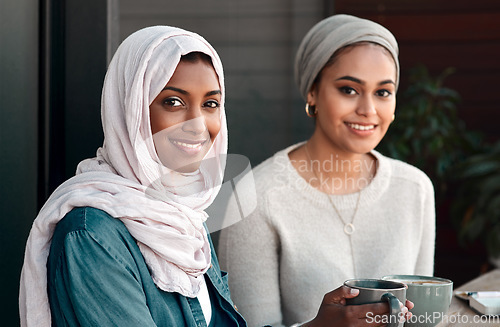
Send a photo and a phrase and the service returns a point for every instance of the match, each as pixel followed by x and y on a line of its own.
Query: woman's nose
pixel 195 123
pixel 366 106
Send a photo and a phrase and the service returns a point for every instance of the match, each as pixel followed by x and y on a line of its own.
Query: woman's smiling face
pixel 185 116
pixel 355 98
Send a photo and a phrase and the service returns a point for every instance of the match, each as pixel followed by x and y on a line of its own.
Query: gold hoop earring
pixel 308 111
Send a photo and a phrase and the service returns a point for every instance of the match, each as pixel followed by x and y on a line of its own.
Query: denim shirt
pixel 97 276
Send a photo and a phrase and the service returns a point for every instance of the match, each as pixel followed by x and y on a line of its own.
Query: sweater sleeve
pixel 93 285
pixel 249 252
pixel 425 260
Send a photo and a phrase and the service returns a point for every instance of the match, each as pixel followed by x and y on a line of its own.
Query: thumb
pixel 339 295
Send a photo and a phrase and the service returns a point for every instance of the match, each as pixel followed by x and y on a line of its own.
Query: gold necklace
pixel 349 228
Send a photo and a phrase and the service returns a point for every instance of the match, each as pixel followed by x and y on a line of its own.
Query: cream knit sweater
pixel 292 249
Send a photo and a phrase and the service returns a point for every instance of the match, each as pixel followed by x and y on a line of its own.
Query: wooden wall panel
pixel 479 57
pixel 362 7
pixel 436 27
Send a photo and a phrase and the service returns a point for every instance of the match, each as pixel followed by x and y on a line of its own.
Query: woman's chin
pixel 185 164
pixel 190 168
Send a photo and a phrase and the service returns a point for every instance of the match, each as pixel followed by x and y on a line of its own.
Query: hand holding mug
pixel 334 310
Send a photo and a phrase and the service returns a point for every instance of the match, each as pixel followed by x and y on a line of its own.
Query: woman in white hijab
pixel 123 243
pixel 332 208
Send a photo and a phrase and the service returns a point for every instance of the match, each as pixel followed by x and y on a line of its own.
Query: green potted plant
pixel 427 131
pixel 476 206
pixel 429 134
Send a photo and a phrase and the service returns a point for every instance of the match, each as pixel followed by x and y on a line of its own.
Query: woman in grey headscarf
pixel 332 208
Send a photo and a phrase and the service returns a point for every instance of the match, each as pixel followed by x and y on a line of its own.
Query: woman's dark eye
pixel 383 93
pixel 212 104
pixel 172 102
pixel 348 90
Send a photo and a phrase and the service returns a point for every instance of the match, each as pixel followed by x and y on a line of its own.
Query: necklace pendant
pixel 349 229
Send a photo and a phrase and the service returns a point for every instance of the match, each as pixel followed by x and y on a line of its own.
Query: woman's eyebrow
pixel 387 81
pixel 357 80
pixel 176 90
pixel 350 78
pixel 215 92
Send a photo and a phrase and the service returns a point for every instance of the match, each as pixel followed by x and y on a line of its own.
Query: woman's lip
pixel 361 130
pixel 189 146
pixel 187 141
pixel 361 127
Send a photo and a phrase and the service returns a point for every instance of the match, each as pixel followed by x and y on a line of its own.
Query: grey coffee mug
pixel 377 290
pixel 431 296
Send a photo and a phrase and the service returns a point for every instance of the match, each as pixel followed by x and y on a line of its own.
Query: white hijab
pixel 127 180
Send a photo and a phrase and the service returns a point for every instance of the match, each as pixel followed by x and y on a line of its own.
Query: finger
pixel 366 315
pixel 366 311
pixel 379 308
pixel 377 314
pixel 404 314
pixel 410 306
pixel 339 295
pixel 408 315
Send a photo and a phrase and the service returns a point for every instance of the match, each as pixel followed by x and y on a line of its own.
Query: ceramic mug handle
pixel 395 309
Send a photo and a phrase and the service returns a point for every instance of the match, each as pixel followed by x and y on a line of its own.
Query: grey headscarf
pixel 331 34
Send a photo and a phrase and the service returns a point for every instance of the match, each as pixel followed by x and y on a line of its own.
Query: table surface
pixel 460 314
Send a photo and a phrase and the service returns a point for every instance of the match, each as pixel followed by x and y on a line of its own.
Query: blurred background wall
pixel 53 58
pixel 18 142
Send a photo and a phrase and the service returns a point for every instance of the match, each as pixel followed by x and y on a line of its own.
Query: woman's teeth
pixel 188 145
pixel 361 127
